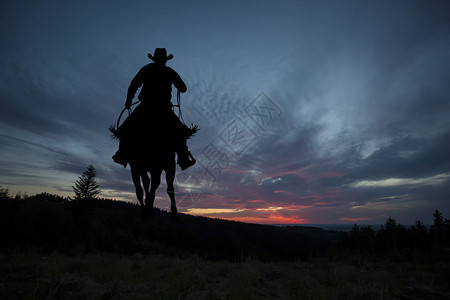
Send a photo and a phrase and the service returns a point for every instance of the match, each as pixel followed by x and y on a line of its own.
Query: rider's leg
pixel 180 134
pixel 125 133
pixel 185 158
pixel 120 156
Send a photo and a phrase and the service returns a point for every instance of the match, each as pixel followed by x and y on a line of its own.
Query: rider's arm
pixel 137 81
pixel 178 82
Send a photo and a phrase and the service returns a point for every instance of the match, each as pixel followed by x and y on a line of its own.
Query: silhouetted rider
pixel 156 80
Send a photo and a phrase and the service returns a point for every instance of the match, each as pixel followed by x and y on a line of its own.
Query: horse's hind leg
pixel 170 176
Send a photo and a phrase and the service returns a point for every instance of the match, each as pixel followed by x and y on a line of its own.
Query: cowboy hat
pixel 160 55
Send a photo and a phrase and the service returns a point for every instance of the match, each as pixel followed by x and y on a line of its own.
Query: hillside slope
pixel 48 223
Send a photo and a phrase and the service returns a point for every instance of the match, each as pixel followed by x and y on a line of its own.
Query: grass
pixel 112 276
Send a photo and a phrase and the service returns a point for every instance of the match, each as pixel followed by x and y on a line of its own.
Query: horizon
pixel 309 112
pixel 326 226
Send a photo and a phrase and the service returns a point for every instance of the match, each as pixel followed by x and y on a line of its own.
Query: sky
pixel 311 112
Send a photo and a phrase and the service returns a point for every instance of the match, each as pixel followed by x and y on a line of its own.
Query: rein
pixel 115 129
pixel 121 113
pixel 180 115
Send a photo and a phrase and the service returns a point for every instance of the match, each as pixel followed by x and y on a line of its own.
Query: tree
pixel 86 186
pixel 4 193
pixel 85 189
pixel 438 221
pixel 389 234
pixel 390 224
pixel 420 227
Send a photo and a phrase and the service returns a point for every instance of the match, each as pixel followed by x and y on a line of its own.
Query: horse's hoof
pixel 147 213
pixel 148 202
pixel 174 218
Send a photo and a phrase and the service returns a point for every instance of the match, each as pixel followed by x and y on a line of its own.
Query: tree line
pixel 402 243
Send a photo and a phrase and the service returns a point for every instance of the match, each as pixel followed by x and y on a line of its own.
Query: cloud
pixel 392 182
pixel 213 211
pixel 362 91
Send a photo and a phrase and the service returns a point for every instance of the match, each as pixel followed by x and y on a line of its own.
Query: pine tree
pixel 438 221
pixel 86 189
pixel 4 193
pixel 86 186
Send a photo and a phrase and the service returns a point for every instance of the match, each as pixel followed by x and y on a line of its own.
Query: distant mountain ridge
pixel 334 227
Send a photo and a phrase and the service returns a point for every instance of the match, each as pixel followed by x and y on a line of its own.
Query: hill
pixel 47 223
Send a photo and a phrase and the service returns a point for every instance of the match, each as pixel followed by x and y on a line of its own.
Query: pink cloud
pixel 263 213
pixel 272 219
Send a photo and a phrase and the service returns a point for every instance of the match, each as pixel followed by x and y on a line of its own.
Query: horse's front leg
pixel 136 176
pixel 155 182
pixel 170 176
pixel 146 183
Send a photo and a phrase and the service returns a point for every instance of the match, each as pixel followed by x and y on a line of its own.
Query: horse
pixel 159 160
pixel 151 151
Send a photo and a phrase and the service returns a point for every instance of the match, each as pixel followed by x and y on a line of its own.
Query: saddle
pixel 145 134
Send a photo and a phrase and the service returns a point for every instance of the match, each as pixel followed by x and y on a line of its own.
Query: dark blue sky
pixel 310 111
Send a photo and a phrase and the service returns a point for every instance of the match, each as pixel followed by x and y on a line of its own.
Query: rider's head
pixel 160 56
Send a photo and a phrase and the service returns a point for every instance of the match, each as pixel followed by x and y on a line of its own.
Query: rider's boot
pixel 120 159
pixel 185 159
